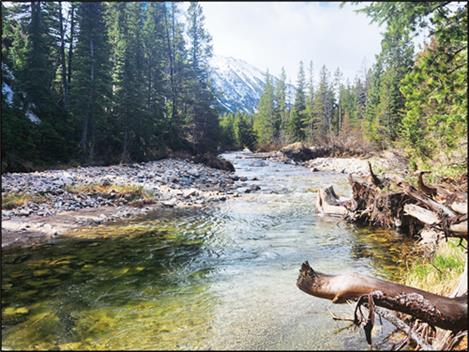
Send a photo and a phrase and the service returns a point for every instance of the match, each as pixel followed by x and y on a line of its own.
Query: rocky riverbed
pixel 55 203
pixel 389 162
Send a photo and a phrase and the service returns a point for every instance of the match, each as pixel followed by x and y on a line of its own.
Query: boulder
pixel 215 162
pixel 300 152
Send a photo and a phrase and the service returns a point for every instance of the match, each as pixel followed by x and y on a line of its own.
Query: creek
pixel 220 277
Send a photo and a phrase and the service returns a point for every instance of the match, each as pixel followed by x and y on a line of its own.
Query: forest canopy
pixel 117 82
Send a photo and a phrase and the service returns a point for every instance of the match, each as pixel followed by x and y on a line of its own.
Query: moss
pixel 13 200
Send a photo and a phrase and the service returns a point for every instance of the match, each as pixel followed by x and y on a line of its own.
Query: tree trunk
pixel 169 40
pixel 444 312
pixel 70 48
pixel 87 134
pixel 62 59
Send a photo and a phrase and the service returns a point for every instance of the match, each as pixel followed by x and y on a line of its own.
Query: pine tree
pixel 323 102
pixel 280 107
pixel 177 77
pixel 337 114
pixel 297 113
pixel 309 121
pixel 202 115
pixel 90 84
pixel 154 45
pixel 263 121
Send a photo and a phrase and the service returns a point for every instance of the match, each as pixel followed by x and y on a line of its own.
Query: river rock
pixel 258 163
pixel 169 203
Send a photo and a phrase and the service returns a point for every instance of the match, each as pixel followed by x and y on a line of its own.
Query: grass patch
pixel 13 200
pixel 439 274
pixel 129 192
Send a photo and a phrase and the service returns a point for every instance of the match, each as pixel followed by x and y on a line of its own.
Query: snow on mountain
pixel 7 92
pixel 238 84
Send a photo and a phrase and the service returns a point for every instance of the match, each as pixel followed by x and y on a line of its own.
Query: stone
pixel 169 203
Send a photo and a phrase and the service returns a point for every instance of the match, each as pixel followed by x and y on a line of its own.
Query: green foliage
pixel 136 87
pixel 423 105
pixel 436 106
pixel 263 120
pixel 237 131
pixel 441 273
pixel 139 86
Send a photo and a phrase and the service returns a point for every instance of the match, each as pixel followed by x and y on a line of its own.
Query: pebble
pixel 161 178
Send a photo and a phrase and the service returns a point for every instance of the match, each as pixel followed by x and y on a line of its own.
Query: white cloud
pixel 270 35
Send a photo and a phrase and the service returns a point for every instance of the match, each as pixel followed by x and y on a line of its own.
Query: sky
pixel 270 35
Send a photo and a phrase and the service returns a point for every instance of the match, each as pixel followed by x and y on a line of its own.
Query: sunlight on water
pixel 222 277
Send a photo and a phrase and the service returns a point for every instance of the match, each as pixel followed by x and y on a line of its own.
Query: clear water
pixel 216 278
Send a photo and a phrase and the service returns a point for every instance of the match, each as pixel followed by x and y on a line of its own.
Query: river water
pixel 222 277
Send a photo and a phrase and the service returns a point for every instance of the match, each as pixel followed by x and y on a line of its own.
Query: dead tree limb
pixel 444 312
pixel 429 191
pixel 373 178
pixel 398 323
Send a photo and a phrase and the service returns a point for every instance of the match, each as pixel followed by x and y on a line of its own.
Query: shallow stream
pixel 222 277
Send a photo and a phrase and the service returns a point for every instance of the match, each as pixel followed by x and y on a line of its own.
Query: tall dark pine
pixel 203 117
pixel 154 45
pixel 90 84
pixel 71 39
pixel 62 59
pixel 38 71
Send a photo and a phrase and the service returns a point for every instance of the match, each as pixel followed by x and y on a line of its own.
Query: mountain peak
pixel 238 84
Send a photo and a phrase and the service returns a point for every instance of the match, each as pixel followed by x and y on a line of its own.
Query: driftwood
pixel 429 191
pixel 329 203
pixel 444 312
pixel 460 208
pixel 381 202
pixel 441 321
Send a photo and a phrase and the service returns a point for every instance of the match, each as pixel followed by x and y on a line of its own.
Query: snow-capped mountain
pixel 238 84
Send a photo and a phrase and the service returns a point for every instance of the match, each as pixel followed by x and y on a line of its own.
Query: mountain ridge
pixel 238 84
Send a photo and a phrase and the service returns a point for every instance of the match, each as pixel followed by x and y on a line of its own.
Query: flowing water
pixel 223 277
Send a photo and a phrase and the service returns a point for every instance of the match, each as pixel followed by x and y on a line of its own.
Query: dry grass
pixel 129 192
pixel 15 200
pixel 439 274
pixel 269 147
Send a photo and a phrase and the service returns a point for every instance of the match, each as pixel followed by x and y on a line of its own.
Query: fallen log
pixel 429 203
pixel 460 208
pixel 327 202
pixel 426 216
pixel 455 226
pixel 444 312
pixel 459 229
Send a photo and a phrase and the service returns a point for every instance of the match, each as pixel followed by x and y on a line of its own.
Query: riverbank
pixel 194 275
pixel 41 205
pixel 391 162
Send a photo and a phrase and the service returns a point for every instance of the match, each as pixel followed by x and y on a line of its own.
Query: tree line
pixel 127 81
pixel 413 101
pixel 104 82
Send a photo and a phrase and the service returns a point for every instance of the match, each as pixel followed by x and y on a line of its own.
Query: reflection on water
pixel 220 278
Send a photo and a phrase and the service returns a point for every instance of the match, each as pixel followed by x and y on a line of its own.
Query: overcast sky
pixel 270 35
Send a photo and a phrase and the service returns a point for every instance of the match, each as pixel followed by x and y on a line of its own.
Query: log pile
pixel 439 322
pixel 448 313
pixel 397 204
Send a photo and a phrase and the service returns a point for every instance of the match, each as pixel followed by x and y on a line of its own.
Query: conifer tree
pixel 201 112
pixel 279 117
pixel 263 122
pixel 297 113
pixel 91 81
